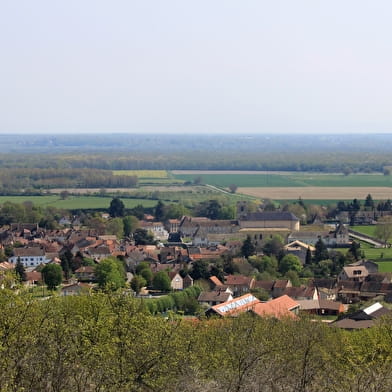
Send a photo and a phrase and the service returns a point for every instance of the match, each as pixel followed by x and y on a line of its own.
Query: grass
pixel 378 253
pixel 368 230
pixel 384 266
pixel 142 173
pixel 76 202
pixel 291 180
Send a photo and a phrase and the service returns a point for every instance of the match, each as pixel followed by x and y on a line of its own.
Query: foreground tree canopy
pixel 111 343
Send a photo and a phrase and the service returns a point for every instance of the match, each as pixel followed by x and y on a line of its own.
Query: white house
pixel 30 256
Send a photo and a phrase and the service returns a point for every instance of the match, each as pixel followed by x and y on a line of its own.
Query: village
pixel 223 258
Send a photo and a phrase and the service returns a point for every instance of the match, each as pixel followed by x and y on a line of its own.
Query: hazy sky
pixel 195 66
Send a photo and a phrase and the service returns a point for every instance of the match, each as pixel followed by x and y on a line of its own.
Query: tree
pixel 131 223
pixel 52 275
pixel 115 227
pixel 308 258
pixel 65 265
pixel 369 203
pixel 110 274
pixel 321 252
pixel 233 188
pixel 147 275
pixel 354 250
pixel 383 229
pixel 20 270
pixel 64 195
pixel 116 208
pixel 274 246
pixel 247 248
pixel 200 270
pixel 159 211
pixel 137 283
pixel 290 263
pixel 176 211
pixel 293 277
pixel 161 281
pixel 143 237
pixel 197 180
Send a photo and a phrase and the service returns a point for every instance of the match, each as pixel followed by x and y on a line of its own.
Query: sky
pixel 205 66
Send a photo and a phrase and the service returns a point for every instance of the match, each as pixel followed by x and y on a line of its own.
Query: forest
pixel 110 342
pixel 323 153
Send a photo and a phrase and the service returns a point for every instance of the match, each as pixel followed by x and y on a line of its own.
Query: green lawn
pixel 384 266
pixel 368 230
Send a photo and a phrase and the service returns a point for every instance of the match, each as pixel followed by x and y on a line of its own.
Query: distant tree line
pixel 316 161
pixel 46 178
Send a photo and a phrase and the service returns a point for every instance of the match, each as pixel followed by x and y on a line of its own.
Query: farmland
pixel 284 179
pixel 75 202
pixel 293 185
pixel 320 193
pixel 142 173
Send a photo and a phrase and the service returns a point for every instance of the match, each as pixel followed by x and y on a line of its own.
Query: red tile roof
pixel 279 307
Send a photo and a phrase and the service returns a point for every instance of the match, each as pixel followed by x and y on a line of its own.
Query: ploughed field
pixel 317 193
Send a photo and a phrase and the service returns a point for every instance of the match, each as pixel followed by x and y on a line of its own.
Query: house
pixel 279 287
pixel 266 219
pixel 239 284
pixel 6 266
pixel 85 274
pixel 321 307
pixel 172 225
pixel 76 289
pixel 234 307
pixel 282 307
pixel 99 252
pixel 301 293
pixel 331 238
pixel 187 281
pixel 176 281
pixel 371 266
pixel 279 308
pixel 353 273
pixel 212 298
pixel 156 228
pixel 29 256
pixel 214 282
pixel 326 287
pixel 364 318
pixel 33 278
pixel 299 249
pixel 348 291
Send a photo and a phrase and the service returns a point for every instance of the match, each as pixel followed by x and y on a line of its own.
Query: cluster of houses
pixel 195 238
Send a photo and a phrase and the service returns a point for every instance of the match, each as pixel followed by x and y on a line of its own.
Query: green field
pixel 291 180
pixel 142 173
pixel 75 202
pixel 241 180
